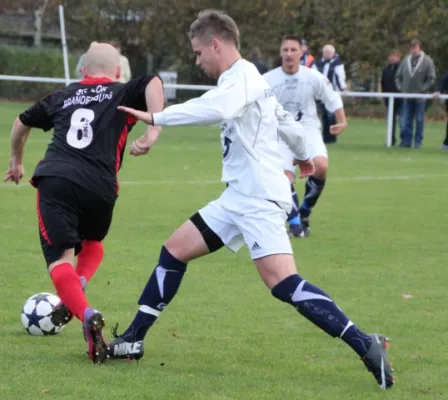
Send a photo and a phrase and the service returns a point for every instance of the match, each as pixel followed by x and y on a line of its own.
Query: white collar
pixel 420 60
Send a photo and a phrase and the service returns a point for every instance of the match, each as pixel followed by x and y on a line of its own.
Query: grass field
pixel 379 233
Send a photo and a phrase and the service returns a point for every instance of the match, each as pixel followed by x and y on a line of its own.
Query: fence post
pixel 390 120
pixel 64 45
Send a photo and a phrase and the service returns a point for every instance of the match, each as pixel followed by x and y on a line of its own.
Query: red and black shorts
pixel 68 214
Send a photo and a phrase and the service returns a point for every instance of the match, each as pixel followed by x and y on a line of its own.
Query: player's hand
pixel 139 147
pixel 337 129
pixel 144 144
pixel 436 95
pixel 140 115
pixel 306 167
pixel 15 173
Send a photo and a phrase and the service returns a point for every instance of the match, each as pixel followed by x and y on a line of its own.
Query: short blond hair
pixel 211 23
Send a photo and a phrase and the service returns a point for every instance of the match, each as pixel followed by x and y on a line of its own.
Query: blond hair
pixel 211 23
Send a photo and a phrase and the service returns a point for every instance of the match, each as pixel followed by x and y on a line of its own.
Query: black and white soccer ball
pixel 36 315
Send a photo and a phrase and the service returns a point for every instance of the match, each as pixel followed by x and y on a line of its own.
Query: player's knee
pixel 177 246
pixel 321 167
pixel 65 257
pixel 93 245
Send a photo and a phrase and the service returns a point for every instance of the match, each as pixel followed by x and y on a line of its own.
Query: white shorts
pixel 316 148
pixel 238 219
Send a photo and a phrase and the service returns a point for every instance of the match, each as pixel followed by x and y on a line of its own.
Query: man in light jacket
pixel 416 74
pixel 126 74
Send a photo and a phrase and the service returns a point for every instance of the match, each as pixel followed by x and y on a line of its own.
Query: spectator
pixel 80 64
pixel 443 89
pixel 331 66
pixel 255 59
pixel 125 75
pixel 307 59
pixel 416 74
pixel 388 86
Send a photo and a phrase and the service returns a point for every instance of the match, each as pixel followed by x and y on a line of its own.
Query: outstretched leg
pixel 279 274
pixel 192 240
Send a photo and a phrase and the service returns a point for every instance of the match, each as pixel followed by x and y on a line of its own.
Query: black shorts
pixel 68 214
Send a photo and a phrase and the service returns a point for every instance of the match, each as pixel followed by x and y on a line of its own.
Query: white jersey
pixel 251 121
pixel 298 93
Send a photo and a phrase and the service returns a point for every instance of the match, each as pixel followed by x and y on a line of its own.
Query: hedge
pixel 27 61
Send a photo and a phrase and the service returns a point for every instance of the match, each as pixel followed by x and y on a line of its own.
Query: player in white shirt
pixel 297 88
pixel 253 207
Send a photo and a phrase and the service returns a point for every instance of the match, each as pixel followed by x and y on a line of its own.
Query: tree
pixel 36 8
pixel 362 31
pixel 38 17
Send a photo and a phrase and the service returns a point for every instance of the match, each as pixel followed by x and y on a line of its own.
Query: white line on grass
pixel 336 179
pixel 168 182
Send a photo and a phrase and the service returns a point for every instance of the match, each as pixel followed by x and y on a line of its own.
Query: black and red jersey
pixel 89 132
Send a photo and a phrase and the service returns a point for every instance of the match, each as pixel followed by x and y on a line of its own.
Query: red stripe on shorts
pixel 42 229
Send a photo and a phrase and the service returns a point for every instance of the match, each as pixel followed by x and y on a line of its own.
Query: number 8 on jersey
pixel 80 134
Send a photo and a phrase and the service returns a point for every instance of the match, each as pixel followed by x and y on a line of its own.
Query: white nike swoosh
pixel 383 375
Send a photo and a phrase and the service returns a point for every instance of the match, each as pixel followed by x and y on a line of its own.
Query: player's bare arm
pixel 341 124
pixel 19 136
pixel 143 116
pixel 215 106
pixel 154 103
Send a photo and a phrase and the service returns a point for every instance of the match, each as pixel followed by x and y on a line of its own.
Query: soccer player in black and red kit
pixel 77 179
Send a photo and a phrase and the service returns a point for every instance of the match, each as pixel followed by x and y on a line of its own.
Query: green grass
pixel 224 336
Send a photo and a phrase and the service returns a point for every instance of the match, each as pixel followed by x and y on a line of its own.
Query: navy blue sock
pixel 316 306
pixel 293 217
pixel 162 286
pixel 313 190
pixel 357 340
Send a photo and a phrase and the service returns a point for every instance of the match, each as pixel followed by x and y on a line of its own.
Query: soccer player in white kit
pixel 297 88
pixel 253 207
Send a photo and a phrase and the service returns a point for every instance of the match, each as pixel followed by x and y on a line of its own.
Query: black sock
pixel 158 292
pixel 293 217
pixel 446 135
pixel 315 305
pixel 313 190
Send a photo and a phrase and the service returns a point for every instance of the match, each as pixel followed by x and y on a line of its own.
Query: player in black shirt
pixel 77 180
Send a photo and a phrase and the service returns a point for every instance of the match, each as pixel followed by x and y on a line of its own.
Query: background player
pixel 297 88
pixel 76 181
pixel 253 207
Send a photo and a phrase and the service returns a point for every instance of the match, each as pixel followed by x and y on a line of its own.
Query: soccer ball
pixel 36 315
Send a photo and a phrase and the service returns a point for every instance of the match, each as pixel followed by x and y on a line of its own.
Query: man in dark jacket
pixel 331 66
pixel 255 59
pixel 443 89
pixel 307 59
pixel 388 86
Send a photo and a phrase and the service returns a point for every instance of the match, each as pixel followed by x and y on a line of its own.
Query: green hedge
pixel 27 61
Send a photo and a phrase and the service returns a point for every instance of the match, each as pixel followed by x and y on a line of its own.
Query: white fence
pixel 390 96
pixel 67 80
